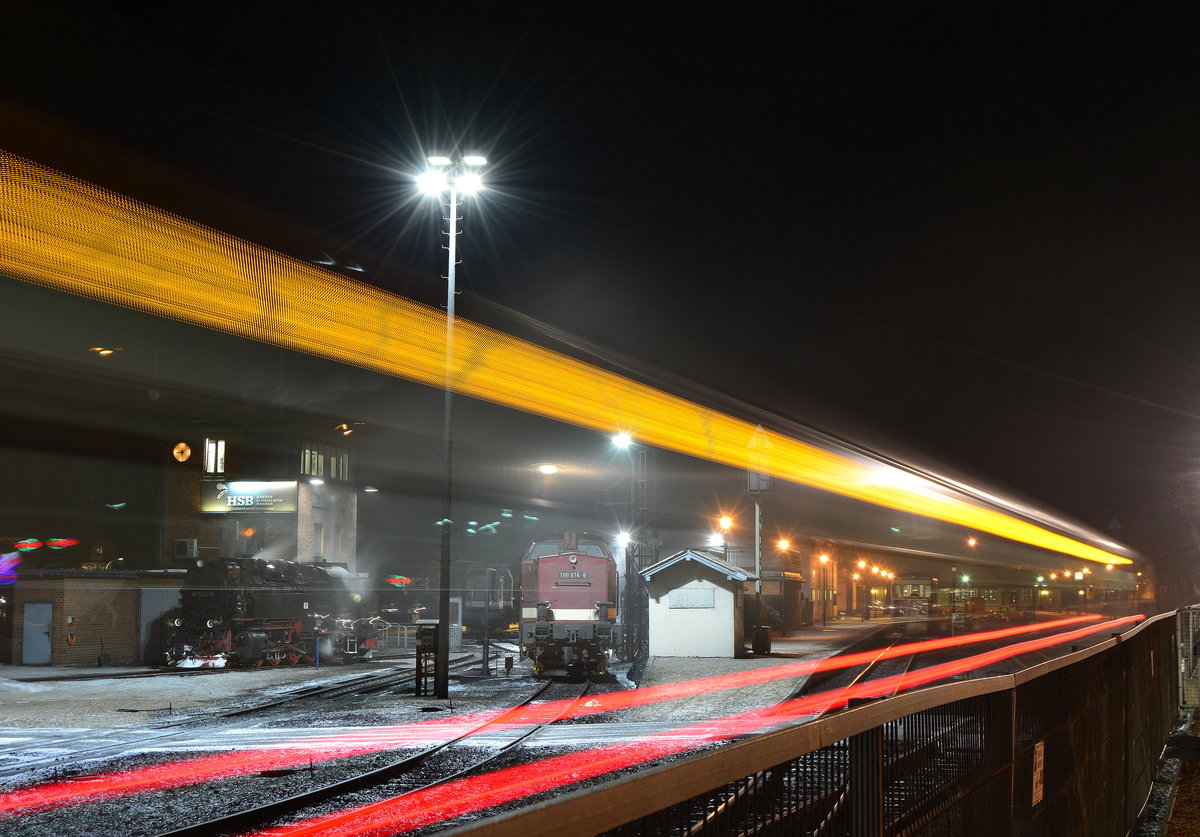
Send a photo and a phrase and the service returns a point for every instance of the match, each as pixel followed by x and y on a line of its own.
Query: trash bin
pixel 762 639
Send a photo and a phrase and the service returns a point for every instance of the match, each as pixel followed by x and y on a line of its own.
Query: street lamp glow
pixel 548 469
pixel 444 175
pixel 469 183
pixel 715 539
pixel 432 182
pixel 623 539
pixel 622 440
pixel 824 559
pixel 725 522
pixel 783 543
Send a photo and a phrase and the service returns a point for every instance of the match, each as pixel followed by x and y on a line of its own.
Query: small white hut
pixel 695 606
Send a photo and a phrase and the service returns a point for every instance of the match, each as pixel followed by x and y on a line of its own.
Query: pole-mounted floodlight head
pixel 468 182
pixel 442 174
pixel 432 182
pixel 622 440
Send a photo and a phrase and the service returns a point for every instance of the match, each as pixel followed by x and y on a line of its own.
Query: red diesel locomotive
pixel 568 610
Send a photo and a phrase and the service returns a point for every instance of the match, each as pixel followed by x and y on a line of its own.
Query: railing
pixel 400 638
pixel 1189 659
pixel 1069 747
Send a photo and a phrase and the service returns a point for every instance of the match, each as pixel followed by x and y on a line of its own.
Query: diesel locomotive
pixel 568 605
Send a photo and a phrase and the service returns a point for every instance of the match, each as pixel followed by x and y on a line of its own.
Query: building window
pixel 214 456
pixel 318 540
pixel 319 460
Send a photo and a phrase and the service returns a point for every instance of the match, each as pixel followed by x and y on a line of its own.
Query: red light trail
pixel 209 768
pixel 441 803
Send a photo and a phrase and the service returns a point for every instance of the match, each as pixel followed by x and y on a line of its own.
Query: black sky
pixel 972 228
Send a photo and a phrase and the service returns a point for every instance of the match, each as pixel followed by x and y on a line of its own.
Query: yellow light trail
pixel 73 236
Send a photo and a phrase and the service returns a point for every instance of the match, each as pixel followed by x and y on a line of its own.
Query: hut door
pixel 35 648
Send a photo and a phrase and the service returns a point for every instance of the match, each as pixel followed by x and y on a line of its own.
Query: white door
pixel 35 649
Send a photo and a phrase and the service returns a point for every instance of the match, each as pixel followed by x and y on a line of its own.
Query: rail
pixel 1067 747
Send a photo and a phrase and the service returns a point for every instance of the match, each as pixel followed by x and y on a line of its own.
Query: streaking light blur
pixel 75 237
pixel 443 802
pixel 368 740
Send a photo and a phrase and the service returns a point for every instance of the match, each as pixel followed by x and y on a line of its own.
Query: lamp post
pixel 862 573
pixel 824 589
pixel 448 180
pixel 629 604
pixel 487 601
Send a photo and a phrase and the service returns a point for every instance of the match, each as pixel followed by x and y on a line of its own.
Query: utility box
pixel 426 662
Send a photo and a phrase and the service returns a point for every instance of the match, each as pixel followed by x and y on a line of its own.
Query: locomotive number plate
pixel 572 574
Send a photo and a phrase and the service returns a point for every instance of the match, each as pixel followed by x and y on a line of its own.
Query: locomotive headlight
pixel 574 559
pixel 357 598
pixel 211 623
pixel 178 623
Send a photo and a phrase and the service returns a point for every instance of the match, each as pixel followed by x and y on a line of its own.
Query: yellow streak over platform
pixel 76 237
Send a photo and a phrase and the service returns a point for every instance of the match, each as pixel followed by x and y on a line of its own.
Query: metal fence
pixel 1189 659
pixel 397 638
pixel 1067 748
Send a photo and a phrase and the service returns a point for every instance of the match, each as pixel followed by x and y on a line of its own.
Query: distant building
pixel 281 494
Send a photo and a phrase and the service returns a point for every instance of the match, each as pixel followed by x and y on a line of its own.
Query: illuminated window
pixel 214 456
pixel 323 460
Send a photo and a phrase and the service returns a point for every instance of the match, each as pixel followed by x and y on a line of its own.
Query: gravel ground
pixel 1185 813
pixel 99 703
pixel 116 702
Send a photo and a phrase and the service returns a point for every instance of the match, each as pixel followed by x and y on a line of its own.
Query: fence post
pixel 866 783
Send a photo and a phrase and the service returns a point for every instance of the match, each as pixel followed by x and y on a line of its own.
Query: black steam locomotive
pixel 254 612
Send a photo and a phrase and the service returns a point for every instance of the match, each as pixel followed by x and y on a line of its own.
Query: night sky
pixel 973 230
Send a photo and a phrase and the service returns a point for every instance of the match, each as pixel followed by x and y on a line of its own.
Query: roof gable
pixel 708 559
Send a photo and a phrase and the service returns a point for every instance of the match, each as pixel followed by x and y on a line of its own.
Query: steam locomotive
pixel 568 611
pixel 254 612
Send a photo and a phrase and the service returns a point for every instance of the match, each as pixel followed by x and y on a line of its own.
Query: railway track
pixel 274 781
pixel 420 771
pixel 67 752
